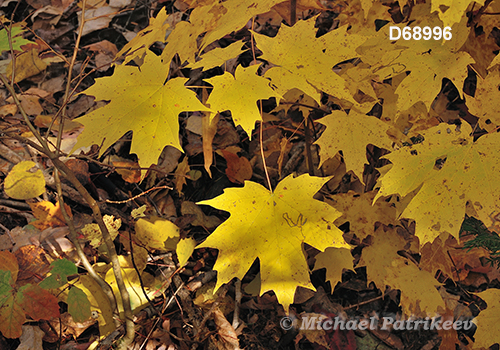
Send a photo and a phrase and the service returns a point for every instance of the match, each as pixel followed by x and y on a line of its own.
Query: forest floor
pixel 187 314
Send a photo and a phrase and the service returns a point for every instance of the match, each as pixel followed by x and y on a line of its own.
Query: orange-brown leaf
pixel 8 262
pixel 48 215
pixel 238 168
pixel 33 264
pixel 38 303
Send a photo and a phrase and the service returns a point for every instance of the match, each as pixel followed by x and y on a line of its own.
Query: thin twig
pixel 293 12
pixel 73 237
pixel 307 132
pixel 237 302
pixel 70 176
pixel 261 119
pixel 7 231
pixel 139 195
pixel 70 72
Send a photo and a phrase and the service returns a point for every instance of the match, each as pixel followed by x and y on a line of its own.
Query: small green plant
pixel 484 239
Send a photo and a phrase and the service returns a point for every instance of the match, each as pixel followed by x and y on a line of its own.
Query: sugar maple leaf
pixel 216 20
pixel 435 256
pixel 455 10
pixel 486 102
pixel 155 31
pixel 240 94
pixel 335 260
pixel 357 209
pixel 351 134
pixel 305 62
pixel 141 101
pixel 235 15
pixel 488 327
pixel 385 267
pixel 218 56
pixel 439 205
pixel 272 226
pixel 429 61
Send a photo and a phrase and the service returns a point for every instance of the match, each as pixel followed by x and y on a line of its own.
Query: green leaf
pixel 78 304
pixel 5 286
pixel 17 39
pixel 61 269
pixel 11 317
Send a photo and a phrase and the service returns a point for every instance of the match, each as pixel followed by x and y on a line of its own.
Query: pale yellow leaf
pixel 24 181
pixel 272 226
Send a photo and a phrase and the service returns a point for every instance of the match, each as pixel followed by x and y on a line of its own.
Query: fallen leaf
pixel 16 35
pixel 28 64
pixel 218 56
pixel 200 219
pixel 238 168
pixel 357 209
pixel 61 269
pixel 180 174
pixel 335 260
pixel 444 169
pixel 33 264
pixel 78 305
pixel 225 331
pixel 240 94
pixel 93 233
pixel 157 233
pixel 283 219
pixel 304 61
pixel 8 262
pixel 24 181
pixel 351 133
pixel 488 327
pixel 130 175
pixel 419 295
pixel 48 215
pixel 31 339
pixel 184 250
pixel 145 104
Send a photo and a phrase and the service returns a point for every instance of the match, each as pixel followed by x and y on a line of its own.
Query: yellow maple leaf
pixel 141 101
pixel 351 134
pixel 240 94
pixel 335 260
pixel 272 226
pixel 429 61
pixel 486 102
pixel 385 267
pixel 155 31
pixel 157 233
pixel 235 15
pixel 215 20
pixel 136 287
pixel 452 11
pixel 446 169
pixel 218 56
pixel 488 327
pixel 357 209
pixel 305 62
